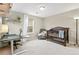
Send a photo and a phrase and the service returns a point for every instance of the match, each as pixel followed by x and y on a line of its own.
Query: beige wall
pixel 38 24
pixel 65 20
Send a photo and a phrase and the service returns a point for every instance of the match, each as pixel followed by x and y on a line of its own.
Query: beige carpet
pixel 43 47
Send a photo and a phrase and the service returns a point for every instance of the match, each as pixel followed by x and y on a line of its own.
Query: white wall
pixel 62 20
pixel 14 28
pixel 0 20
pixel 38 25
pixel 25 25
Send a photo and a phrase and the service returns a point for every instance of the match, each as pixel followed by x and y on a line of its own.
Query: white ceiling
pixel 50 8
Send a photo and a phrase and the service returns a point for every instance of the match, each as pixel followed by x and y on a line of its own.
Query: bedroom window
pixel 30 28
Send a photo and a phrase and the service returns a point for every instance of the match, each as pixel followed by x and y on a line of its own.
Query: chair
pixel 42 34
pixel 19 41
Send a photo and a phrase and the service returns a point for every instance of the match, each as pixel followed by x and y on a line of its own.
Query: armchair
pixel 42 34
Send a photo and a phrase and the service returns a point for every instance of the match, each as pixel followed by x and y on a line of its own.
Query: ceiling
pixel 50 8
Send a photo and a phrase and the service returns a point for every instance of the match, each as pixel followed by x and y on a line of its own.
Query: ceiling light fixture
pixel 42 8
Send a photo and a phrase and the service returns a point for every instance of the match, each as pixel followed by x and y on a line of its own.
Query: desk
pixel 11 38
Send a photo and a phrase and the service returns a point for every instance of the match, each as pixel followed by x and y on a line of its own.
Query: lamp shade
pixel 3 28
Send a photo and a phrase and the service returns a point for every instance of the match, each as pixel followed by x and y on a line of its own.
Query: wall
pixel 38 24
pixel 13 23
pixel 65 20
pixel 0 20
pixel 15 26
pixel 25 25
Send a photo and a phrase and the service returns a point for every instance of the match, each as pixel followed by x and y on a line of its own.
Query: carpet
pixel 43 47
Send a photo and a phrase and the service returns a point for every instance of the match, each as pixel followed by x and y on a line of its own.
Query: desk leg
pixel 11 46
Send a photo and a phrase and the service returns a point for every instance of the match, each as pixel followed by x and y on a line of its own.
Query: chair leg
pixel 15 45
